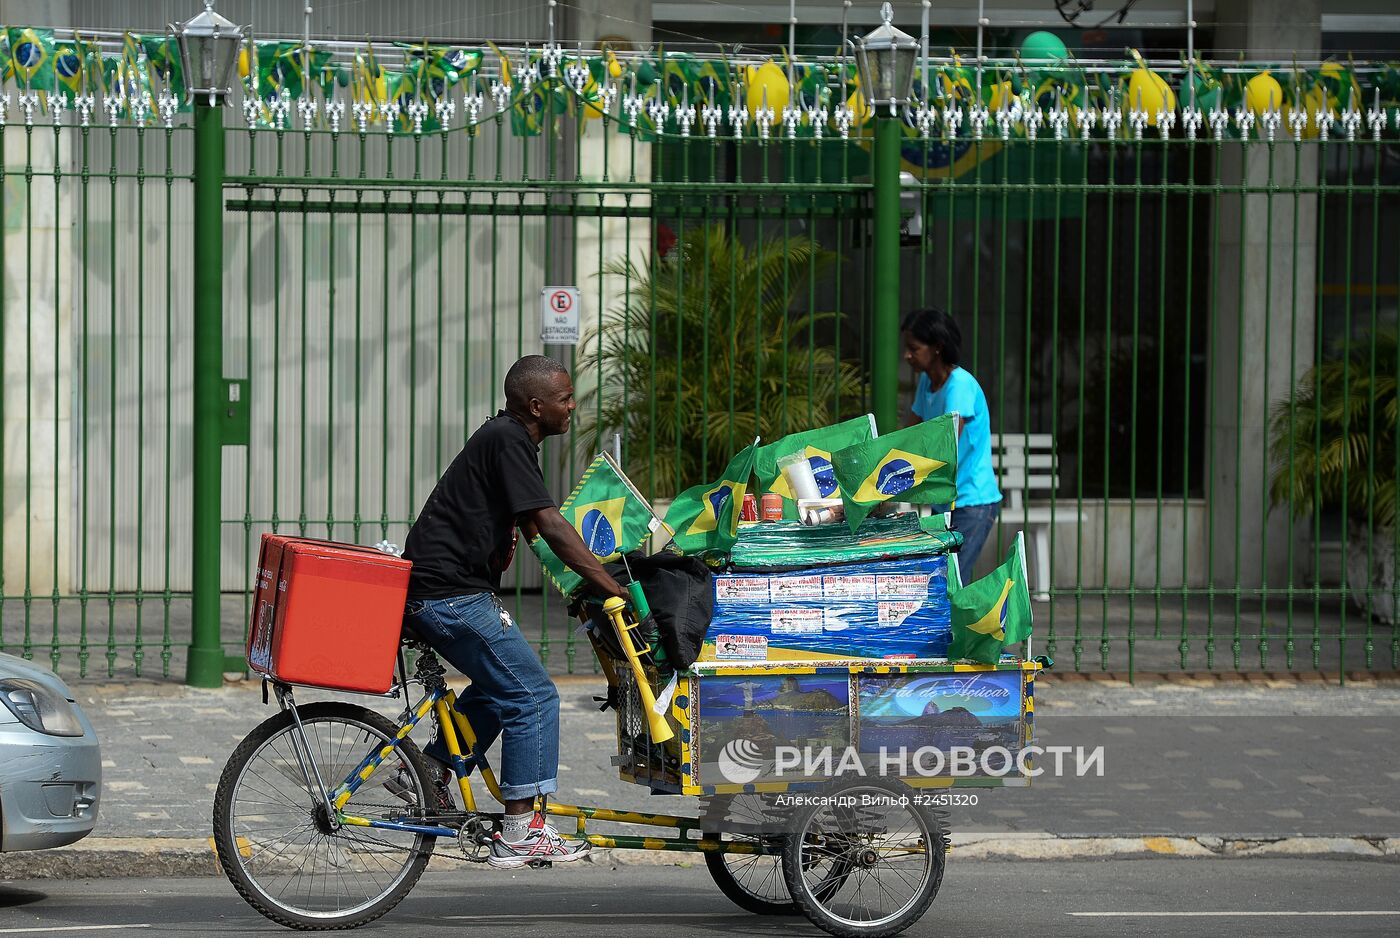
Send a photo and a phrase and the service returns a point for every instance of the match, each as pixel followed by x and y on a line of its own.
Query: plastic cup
pixel 798 472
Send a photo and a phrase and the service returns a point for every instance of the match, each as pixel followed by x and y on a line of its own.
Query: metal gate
pixel 1175 308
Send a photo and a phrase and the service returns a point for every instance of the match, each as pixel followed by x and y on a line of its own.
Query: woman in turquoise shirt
pixel 933 346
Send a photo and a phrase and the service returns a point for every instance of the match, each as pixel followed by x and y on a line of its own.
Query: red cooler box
pixel 327 614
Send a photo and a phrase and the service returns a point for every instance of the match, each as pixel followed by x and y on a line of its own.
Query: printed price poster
pixel 733 589
pixel 902 584
pixel 797 621
pixel 796 587
pixel 895 612
pixel 859 586
pixel 559 315
pixel 741 647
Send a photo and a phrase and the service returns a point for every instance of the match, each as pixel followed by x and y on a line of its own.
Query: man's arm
pixel 569 547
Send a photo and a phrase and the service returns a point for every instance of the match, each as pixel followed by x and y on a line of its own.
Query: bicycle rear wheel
pixel 867 860
pixel 278 847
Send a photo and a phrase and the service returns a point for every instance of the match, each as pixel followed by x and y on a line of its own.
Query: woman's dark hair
pixel 932 326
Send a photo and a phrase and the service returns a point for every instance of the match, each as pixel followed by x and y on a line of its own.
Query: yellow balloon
pixel 243 62
pixel 1148 92
pixel 615 68
pixel 1262 94
pixel 767 78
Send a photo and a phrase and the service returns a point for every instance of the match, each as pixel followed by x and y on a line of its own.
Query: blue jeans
pixel 510 695
pixel 974 523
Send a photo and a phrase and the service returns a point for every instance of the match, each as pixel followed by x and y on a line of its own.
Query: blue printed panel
pixel 977 710
pixel 887 609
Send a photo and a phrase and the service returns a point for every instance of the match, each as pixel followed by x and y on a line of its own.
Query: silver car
pixel 50 766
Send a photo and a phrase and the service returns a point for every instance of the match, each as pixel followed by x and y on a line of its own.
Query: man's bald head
pixel 538 390
pixel 531 377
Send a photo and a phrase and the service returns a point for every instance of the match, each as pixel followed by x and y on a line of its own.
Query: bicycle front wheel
pixel 275 841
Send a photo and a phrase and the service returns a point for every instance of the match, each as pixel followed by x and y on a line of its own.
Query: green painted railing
pixel 1143 310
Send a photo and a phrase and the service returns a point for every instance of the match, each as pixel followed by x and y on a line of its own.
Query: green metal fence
pixel 1148 313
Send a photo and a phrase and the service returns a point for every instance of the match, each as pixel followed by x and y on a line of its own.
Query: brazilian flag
pixel 78 66
pixel 430 73
pixel 547 100
pixel 610 515
pixel 706 517
pixel 714 84
pixel 372 85
pixel 163 53
pixel 682 79
pixel 134 77
pixel 31 57
pixel 992 612
pixel 813 88
pixel 818 446
pixel 917 464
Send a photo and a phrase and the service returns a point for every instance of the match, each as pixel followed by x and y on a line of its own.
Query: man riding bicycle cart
pixel 821 687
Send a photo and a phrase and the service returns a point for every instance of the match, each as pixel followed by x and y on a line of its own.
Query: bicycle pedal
pixel 540 864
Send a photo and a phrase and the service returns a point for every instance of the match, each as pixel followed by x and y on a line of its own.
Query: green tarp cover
pixel 778 545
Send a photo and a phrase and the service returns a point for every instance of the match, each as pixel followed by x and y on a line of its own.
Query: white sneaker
pixel 542 844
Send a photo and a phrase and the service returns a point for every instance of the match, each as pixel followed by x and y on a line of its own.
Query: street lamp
pixel 208 48
pixel 886 60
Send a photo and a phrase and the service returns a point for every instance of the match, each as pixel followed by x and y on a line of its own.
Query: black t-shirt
pixel 465 535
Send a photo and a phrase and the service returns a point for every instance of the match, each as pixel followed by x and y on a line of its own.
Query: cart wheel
pixel 866 861
pixel 753 882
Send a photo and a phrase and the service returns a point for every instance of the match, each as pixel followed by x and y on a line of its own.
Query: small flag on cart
pixel 610 515
pixel 918 464
pixel 817 445
pixel 706 517
pixel 992 612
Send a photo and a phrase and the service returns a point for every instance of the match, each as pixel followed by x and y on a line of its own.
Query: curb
pixel 1033 846
pixel 112 857
pixel 1219 678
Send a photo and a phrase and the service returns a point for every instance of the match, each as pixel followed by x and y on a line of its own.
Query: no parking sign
pixel 559 315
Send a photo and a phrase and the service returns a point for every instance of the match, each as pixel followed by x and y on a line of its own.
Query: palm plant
pixel 703 353
pixel 1338 436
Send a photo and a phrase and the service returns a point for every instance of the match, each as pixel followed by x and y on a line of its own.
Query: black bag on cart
pixel 681 598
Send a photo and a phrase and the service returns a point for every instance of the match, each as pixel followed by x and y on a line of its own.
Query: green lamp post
pixel 886 59
pixel 208 49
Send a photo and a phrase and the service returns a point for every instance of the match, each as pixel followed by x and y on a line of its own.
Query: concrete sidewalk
pixel 1191 768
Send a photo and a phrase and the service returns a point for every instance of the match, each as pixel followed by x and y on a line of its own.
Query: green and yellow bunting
pixel 610 515
pixel 33 60
pixel 918 464
pixel 818 446
pixel 992 612
pixel 706 517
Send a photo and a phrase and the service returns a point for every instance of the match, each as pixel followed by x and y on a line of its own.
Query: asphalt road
pixel 1186 898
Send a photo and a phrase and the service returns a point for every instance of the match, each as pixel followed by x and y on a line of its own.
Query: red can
pixel 749 510
pixel 772 506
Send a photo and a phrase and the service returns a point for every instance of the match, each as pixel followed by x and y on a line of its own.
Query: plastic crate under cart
pixel 740 726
